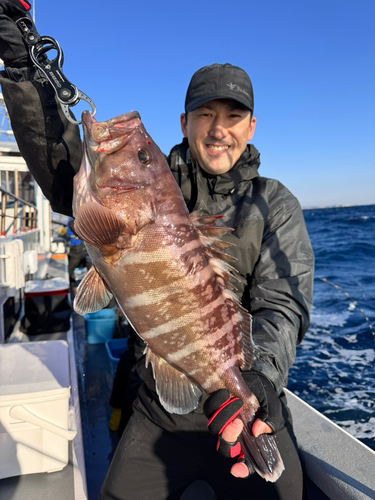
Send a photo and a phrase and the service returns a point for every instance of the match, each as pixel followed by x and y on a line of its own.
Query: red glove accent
pixel 222 413
pixel 221 410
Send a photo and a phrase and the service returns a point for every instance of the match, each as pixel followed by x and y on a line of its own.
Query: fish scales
pixel 166 269
pixel 178 308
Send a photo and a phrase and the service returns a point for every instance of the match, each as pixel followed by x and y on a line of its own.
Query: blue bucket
pixel 115 349
pixel 100 326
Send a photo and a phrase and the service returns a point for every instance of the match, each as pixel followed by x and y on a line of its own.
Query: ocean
pixel 334 369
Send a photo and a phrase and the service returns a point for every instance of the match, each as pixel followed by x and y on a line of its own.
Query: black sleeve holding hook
pixel 67 94
pixel 49 143
pixel 13 47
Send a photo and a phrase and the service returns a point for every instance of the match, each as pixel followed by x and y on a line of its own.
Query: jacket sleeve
pixel 49 143
pixel 281 287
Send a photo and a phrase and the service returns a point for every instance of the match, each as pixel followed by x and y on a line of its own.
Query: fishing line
pixel 354 302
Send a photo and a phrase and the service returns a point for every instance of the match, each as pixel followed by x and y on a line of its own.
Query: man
pixel 161 454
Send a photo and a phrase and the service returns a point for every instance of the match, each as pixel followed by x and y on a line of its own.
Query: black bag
pixel 48 313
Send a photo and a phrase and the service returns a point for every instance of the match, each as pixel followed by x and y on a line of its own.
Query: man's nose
pixel 218 130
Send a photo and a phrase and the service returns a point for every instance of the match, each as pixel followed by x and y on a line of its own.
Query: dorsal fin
pixel 214 246
pixel 92 294
pixel 223 269
pixel 177 393
pixel 218 254
pixel 211 235
pixel 247 354
pixel 204 224
pixel 97 225
pixel 216 242
pixel 213 230
pixel 200 220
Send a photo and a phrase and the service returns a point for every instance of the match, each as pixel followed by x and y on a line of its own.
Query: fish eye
pixel 143 156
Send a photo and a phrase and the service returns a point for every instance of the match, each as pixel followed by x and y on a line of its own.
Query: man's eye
pixel 143 157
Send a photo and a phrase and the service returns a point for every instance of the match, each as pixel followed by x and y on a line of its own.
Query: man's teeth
pixel 217 148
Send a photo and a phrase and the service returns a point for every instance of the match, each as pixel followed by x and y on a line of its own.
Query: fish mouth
pixel 118 189
pixel 110 136
pixel 103 139
pixel 88 120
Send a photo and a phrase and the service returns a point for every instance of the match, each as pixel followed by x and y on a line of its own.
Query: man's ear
pixel 183 122
pixel 251 128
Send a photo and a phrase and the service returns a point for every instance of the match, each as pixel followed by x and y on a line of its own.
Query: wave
pixel 330 319
pixel 360 430
pixel 334 369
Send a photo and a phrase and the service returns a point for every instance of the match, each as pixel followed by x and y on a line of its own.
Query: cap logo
pixel 234 86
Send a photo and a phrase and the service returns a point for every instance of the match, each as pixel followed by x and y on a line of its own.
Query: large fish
pixel 168 272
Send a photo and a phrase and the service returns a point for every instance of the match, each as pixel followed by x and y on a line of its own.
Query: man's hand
pixel 13 50
pixel 222 411
pixel 231 434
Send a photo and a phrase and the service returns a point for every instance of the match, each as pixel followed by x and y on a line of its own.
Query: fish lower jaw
pixel 115 188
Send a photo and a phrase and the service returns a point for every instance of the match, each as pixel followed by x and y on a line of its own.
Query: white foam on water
pixel 351 339
pixel 352 357
pixel 307 345
pixel 354 399
pixel 360 430
pixel 330 319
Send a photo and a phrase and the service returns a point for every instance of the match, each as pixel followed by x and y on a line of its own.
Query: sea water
pixel 334 369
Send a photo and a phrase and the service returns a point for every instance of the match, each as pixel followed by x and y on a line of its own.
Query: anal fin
pixel 177 393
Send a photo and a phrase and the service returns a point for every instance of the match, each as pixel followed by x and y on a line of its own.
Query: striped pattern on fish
pixel 174 297
pixel 168 272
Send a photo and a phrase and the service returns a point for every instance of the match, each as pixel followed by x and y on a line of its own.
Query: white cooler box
pixel 34 407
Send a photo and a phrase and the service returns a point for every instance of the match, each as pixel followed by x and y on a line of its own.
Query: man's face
pixel 218 133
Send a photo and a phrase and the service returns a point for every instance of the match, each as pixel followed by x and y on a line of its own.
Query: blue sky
pixel 312 64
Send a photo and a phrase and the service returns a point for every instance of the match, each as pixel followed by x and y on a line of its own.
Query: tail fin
pixel 262 453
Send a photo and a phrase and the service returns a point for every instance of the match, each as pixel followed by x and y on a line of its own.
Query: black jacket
pixel 275 260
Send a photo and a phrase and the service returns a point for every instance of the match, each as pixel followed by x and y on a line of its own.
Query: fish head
pixel 122 168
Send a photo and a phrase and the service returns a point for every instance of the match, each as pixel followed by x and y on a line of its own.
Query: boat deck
pixel 95 376
pixel 343 469
pixel 69 483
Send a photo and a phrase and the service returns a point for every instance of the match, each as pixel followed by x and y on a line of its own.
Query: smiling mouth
pixel 215 147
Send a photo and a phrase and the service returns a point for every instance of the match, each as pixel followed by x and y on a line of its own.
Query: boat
pixel 33 264
pixel 32 261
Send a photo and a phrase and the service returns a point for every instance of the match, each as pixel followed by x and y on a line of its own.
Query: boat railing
pixel 19 239
pixel 17 215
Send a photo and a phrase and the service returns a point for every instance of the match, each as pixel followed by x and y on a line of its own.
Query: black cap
pixel 219 81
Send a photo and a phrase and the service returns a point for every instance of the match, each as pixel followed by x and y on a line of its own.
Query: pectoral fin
pixel 177 393
pixel 92 294
pixel 98 226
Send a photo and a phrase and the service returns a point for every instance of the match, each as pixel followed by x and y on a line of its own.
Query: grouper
pixel 169 273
